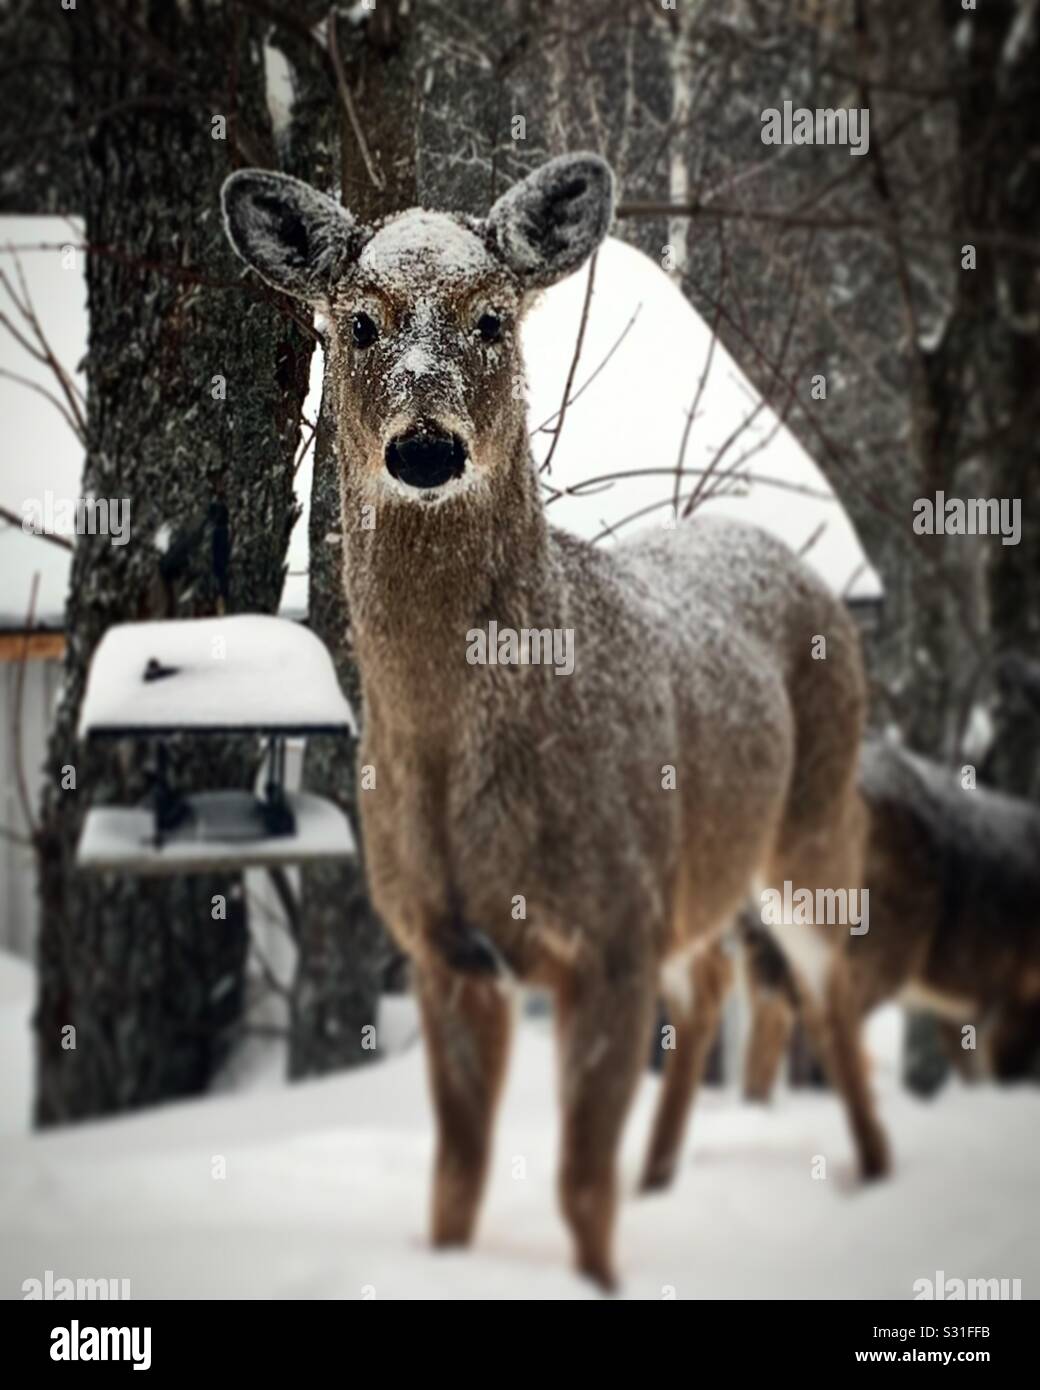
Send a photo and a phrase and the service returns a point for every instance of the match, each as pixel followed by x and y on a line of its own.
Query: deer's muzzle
pixel 425 456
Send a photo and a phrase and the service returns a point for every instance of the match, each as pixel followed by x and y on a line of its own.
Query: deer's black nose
pixel 425 456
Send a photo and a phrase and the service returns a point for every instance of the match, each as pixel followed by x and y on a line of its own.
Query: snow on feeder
pixel 252 675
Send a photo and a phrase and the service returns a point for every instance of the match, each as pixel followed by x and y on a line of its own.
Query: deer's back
pixel 955 882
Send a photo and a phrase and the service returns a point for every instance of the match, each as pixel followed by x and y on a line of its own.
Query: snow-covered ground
pixel 326 1188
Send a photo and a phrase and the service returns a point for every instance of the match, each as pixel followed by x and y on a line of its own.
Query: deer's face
pixel 422 314
pixel 424 353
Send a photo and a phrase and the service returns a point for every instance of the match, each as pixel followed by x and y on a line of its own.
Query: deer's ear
pixel 553 220
pixel 297 239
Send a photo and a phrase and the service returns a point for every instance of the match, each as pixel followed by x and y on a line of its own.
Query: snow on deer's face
pixel 424 356
pixel 422 313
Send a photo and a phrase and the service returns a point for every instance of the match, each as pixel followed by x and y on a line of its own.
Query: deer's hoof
pixel 657 1176
pixel 875 1158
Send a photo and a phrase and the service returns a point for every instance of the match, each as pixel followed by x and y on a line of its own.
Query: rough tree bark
pixel 148 978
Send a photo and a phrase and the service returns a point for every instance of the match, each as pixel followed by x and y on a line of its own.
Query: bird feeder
pixel 251 675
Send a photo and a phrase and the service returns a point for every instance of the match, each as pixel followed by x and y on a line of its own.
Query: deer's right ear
pixel 551 222
pixel 295 238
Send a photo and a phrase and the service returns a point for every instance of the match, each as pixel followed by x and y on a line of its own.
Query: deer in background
pixel 583 832
pixel 954 880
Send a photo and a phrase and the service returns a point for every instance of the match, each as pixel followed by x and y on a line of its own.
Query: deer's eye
pixel 489 326
pixel 363 330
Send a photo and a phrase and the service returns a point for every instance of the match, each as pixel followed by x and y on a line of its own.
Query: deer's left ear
pixel 297 239
pixel 554 219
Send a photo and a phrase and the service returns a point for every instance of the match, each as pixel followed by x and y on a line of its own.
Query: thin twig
pixel 245 282
pixel 596 484
pixel 547 465
pixel 691 414
pixel 848 223
pixel 348 101
pixel 595 373
pixel 51 536
pixel 42 391
pixel 282 887
pixel 45 353
pixel 305 443
pixel 19 689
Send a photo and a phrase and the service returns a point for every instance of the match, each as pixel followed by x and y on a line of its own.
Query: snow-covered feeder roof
pixel 643 358
pixel 248 673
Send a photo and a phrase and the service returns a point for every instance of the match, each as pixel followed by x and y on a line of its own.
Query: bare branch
pixel 343 86
pixel 547 465
pixel 51 536
pixel 595 373
pixel 42 391
pixel 814 222
pixel 19 690
pixel 709 357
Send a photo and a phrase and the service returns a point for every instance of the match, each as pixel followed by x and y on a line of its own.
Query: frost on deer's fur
pixel 296 238
pixel 741 569
pixel 552 221
pixel 405 248
pixel 998 834
pixel 692 656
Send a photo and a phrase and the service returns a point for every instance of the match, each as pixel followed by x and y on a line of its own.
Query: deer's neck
pixel 423 578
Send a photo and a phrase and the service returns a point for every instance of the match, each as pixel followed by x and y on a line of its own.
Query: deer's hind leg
pixel 466 1027
pixel 604 1012
pixel 695 1009
pixel 773 1002
pixel 832 858
pixel 772 1022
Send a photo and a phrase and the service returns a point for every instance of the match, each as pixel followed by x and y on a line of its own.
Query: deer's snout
pixel 425 456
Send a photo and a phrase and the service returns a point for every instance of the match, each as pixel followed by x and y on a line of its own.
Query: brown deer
pixel 954 880
pixel 574 831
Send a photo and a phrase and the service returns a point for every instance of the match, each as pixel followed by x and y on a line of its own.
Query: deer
pixel 587 834
pixel 954 878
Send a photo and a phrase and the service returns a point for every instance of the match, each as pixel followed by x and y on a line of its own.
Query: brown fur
pixel 495 783
pixel 954 879
pixel 698 1015
pixel 772 1022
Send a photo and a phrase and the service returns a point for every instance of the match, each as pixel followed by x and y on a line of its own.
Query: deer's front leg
pixel 604 1025
pixel 466 1026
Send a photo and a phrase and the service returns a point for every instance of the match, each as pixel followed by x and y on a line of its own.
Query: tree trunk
pixel 147 972
pixel 982 379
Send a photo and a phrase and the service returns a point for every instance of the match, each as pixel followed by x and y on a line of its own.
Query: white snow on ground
pixel 327 1187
